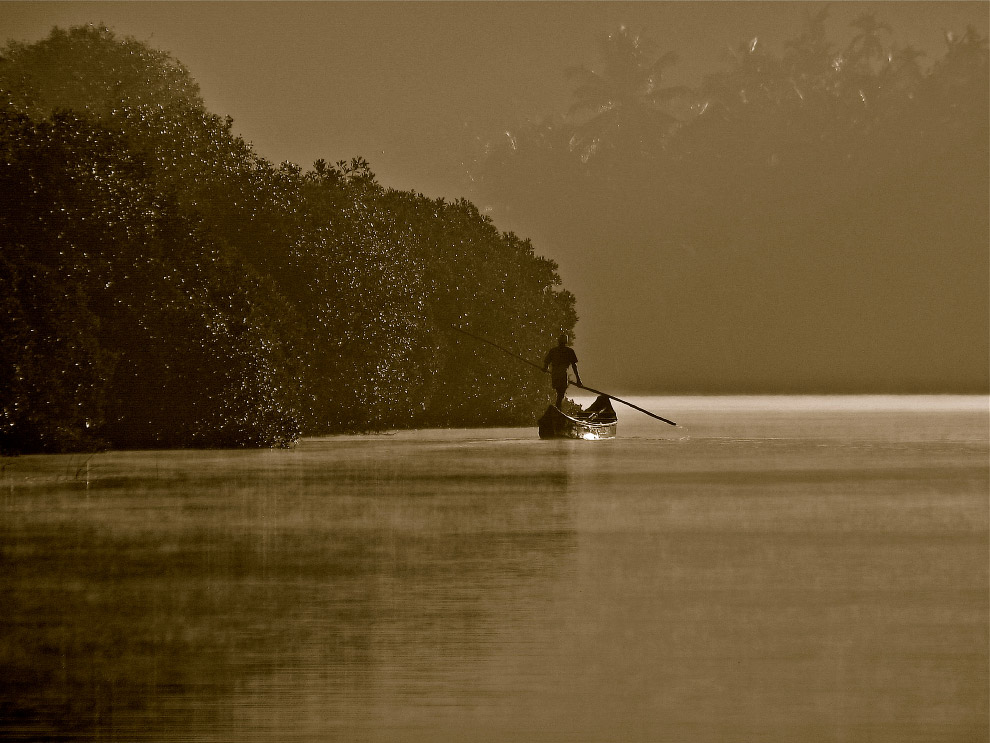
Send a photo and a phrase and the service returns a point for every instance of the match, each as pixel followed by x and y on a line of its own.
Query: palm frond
pixel 666 60
pixel 673 92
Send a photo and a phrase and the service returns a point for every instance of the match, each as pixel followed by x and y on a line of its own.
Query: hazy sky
pixel 410 86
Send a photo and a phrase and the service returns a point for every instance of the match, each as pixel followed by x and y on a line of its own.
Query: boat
pixel 599 421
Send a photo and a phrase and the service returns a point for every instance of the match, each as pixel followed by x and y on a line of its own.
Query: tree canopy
pixel 816 218
pixel 164 285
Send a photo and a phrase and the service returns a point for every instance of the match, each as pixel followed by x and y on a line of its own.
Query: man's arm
pixel 577 374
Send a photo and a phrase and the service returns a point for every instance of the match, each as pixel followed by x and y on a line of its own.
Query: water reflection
pixel 182 594
pixel 817 574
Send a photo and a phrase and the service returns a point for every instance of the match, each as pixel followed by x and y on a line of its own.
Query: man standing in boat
pixel 557 362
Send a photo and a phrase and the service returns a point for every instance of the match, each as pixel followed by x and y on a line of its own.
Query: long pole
pixel 625 402
pixel 583 387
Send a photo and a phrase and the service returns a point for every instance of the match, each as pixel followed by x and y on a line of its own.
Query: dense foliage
pixel 163 285
pixel 817 215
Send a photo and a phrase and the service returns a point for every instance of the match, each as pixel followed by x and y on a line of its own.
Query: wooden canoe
pixel 597 422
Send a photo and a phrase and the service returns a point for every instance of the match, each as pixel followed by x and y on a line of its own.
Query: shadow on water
pixel 164 594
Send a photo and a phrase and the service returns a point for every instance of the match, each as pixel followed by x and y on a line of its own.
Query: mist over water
pixel 772 569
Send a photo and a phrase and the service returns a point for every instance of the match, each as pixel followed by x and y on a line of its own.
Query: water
pixel 796 569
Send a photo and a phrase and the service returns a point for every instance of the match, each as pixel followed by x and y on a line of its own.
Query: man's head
pixel 562 339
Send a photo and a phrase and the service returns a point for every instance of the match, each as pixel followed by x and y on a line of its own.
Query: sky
pixel 413 86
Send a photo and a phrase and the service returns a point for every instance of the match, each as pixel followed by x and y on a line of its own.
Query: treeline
pixel 162 285
pixel 809 219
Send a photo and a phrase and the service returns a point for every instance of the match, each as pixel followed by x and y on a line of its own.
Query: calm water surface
pixel 796 569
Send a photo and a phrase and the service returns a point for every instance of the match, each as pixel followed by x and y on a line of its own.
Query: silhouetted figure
pixel 557 361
